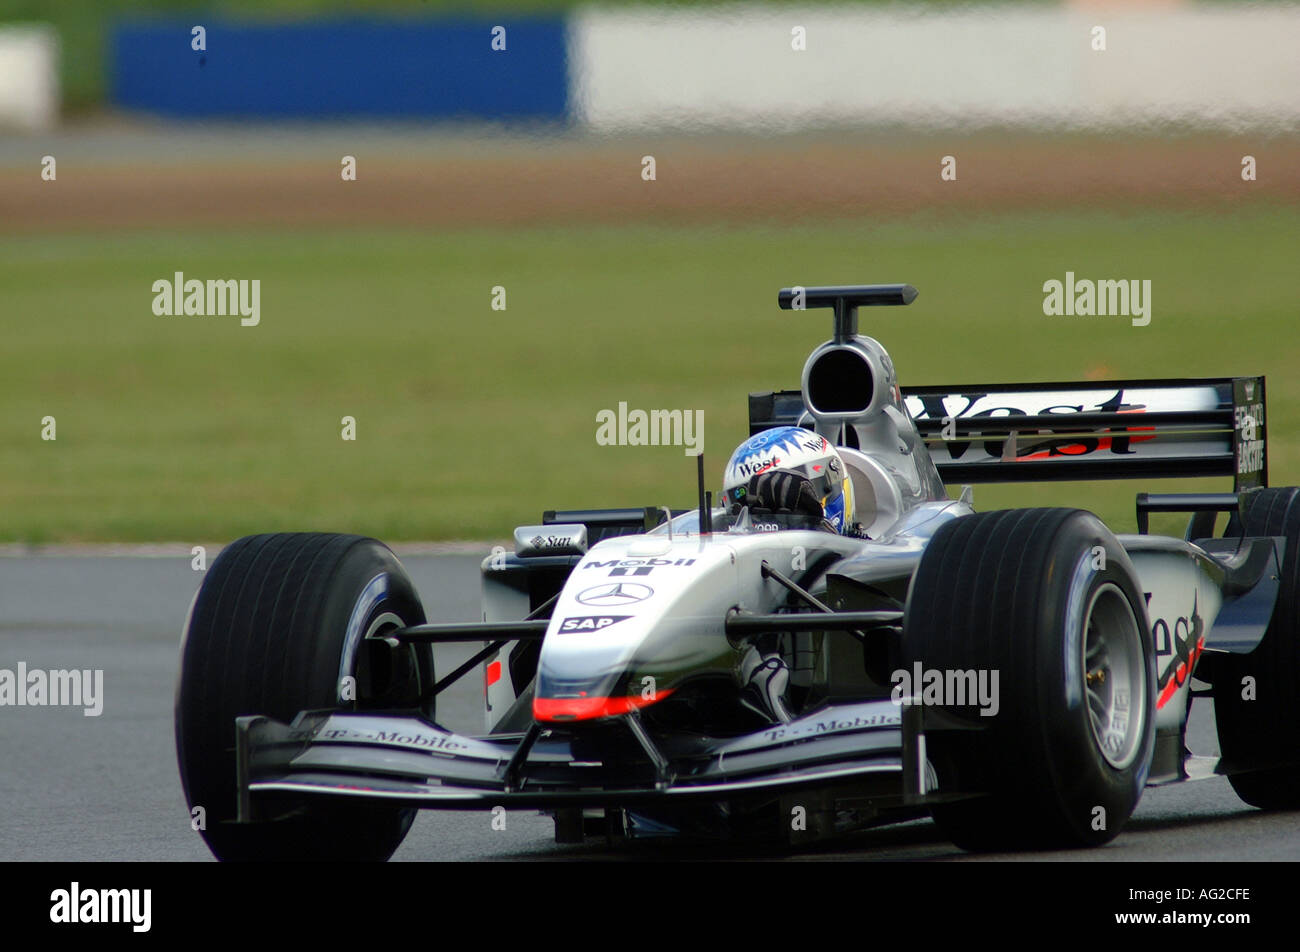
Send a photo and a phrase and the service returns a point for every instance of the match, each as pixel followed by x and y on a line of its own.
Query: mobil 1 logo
pixel 635 567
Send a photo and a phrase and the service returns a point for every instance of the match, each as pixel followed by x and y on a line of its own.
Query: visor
pixel 827 480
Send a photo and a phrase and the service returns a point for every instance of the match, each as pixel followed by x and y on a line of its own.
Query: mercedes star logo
pixel 615 594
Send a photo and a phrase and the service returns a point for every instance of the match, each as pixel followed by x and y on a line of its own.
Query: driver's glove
pixel 779 492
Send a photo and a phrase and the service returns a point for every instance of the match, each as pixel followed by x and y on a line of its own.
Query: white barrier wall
pixel 29 76
pixel 734 66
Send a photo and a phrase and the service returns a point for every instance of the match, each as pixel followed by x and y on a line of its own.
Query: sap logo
pixel 591 622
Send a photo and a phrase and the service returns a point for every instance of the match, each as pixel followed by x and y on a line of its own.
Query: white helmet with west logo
pixel 792 449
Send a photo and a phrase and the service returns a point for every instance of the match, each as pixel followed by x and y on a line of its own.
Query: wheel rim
pixel 1114 676
pixel 386 673
pixel 383 674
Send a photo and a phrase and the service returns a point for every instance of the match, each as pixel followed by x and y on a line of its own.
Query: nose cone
pixel 627 628
pixel 573 689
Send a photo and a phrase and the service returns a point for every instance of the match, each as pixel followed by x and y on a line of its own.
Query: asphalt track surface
pixel 77 788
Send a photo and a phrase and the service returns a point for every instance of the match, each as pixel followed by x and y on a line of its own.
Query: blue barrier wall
pixel 342 68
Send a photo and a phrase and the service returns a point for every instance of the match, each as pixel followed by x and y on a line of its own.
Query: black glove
pixel 781 493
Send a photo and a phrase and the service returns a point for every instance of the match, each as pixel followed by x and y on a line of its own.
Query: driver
pixel 788 469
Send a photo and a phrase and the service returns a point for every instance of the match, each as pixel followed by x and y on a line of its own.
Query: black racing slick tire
pixel 279 626
pixel 1257 695
pixel 1048 600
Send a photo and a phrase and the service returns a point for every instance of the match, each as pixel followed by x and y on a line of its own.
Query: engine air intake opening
pixel 840 381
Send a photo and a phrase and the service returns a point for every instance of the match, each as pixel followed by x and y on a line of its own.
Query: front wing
pixel 408 760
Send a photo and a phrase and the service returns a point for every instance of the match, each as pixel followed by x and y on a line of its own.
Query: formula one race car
pixel 770 667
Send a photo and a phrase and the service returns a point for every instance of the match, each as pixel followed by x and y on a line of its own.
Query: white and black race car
pixel 1021 675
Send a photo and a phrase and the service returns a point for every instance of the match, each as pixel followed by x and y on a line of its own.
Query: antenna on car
pixel 706 504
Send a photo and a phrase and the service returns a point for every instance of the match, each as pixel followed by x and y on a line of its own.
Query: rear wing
pixel 1113 429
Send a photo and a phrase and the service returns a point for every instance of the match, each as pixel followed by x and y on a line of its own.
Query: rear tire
pixel 1027 594
pixel 1265 730
pixel 279 621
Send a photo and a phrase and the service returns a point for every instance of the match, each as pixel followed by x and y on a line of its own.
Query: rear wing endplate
pixel 1113 429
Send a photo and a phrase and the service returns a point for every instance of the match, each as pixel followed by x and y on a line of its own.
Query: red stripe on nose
pixel 590 708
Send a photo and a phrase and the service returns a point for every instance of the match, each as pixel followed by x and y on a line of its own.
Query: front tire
pixel 278 624
pixel 1047 599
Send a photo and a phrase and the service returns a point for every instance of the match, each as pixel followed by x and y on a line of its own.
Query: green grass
pixel 471 421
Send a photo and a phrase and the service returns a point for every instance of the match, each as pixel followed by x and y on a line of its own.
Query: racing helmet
pixel 792 449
